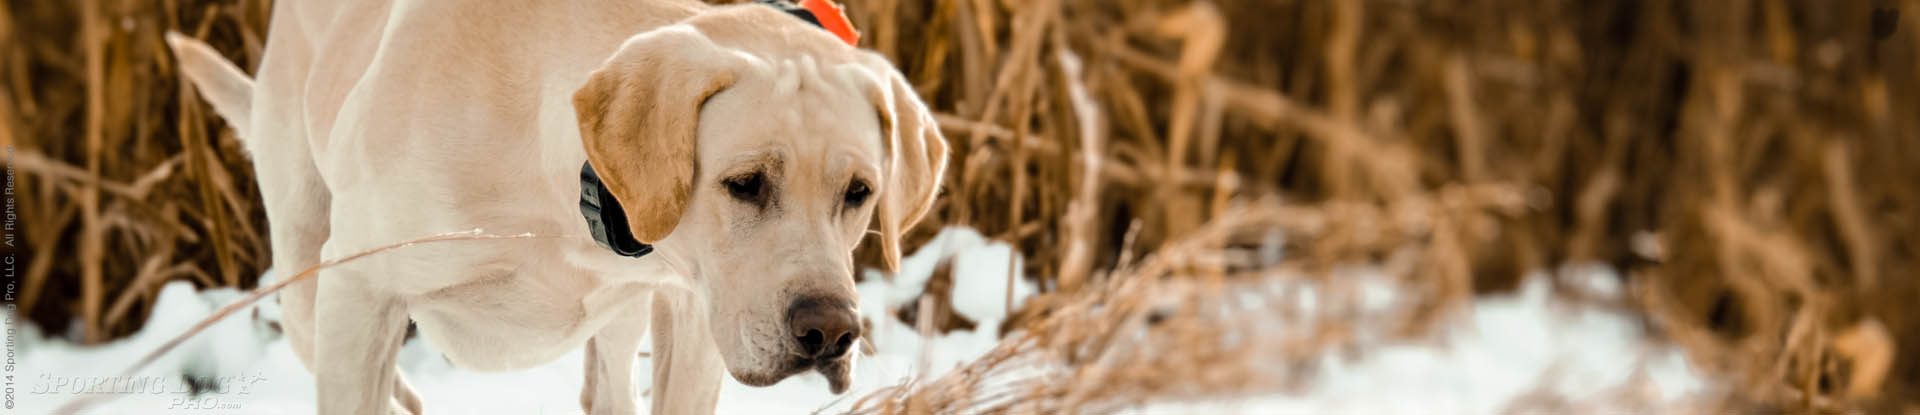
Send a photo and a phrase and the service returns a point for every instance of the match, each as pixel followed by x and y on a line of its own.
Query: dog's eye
pixel 750 188
pixel 857 193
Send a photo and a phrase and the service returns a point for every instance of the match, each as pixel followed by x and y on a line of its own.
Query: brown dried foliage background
pixel 1748 166
pixel 125 180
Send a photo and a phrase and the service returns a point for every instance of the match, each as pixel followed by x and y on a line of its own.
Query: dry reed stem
pixel 91 252
pixel 1081 212
pixel 1863 255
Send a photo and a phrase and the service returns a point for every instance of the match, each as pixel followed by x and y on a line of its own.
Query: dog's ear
pixel 639 114
pixel 916 157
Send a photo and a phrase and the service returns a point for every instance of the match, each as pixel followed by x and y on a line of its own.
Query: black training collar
pixel 605 219
pixel 793 9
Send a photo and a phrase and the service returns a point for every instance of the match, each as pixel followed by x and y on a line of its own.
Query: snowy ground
pixel 1506 353
pixel 1502 350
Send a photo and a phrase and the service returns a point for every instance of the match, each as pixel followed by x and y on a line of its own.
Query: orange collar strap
pixel 833 19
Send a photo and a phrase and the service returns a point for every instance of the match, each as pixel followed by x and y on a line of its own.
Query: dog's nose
pixel 823 328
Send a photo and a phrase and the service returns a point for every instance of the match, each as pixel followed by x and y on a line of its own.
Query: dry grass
pixel 1215 313
pixel 1748 165
pixel 125 179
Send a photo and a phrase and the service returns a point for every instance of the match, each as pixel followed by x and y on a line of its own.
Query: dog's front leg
pixel 686 363
pixel 358 334
pixel 610 355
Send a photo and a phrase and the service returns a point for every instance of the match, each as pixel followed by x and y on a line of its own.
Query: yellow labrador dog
pixel 751 149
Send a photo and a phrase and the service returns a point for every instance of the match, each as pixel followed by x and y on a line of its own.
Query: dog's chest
pixel 514 315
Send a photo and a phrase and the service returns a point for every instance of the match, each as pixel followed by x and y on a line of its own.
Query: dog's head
pixel 762 151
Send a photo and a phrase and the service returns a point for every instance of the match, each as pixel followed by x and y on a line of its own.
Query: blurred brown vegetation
pixel 1748 166
pixel 125 179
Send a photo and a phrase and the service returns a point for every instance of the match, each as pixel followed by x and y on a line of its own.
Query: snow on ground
pixel 1506 348
pixel 257 373
pixel 1492 355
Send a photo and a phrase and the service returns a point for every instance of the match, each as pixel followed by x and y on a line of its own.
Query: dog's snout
pixel 823 329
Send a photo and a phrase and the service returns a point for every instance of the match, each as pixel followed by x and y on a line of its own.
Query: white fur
pixel 372 122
